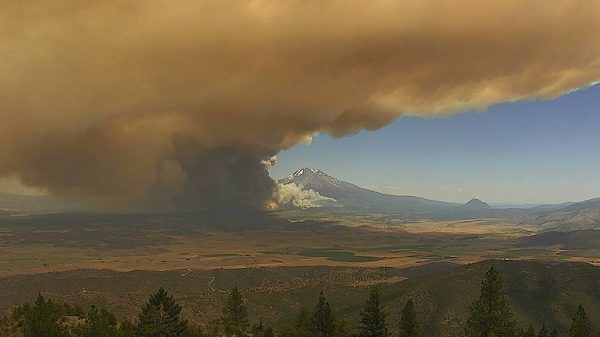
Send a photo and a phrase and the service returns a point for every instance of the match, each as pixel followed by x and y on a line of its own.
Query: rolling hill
pixel 538 292
pixel 574 240
pixel 578 216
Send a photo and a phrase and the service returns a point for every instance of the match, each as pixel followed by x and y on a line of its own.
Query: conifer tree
pixel 302 326
pixel 98 323
pixel 543 332
pixel 125 329
pixel 235 315
pixel 259 330
pixel 372 321
pixel 160 317
pixel 342 329
pixel 490 315
pixel 409 327
pixel 530 332
pixel 554 332
pixel 323 320
pixel 42 319
pixel 581 324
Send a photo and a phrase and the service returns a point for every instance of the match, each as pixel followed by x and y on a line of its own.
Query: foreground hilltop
pixel 538 292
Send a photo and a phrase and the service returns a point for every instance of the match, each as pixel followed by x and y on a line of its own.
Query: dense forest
pixel 489 316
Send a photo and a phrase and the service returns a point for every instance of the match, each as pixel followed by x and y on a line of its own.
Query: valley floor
pixel 45 243
pixel 282 260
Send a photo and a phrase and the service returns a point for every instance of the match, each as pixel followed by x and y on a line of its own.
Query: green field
pixel 340 256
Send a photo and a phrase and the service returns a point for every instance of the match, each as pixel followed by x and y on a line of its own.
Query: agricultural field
pixel 37 243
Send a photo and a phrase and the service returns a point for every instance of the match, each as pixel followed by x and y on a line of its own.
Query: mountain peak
pixel 476 203
pixel 305 171
pixel 312 178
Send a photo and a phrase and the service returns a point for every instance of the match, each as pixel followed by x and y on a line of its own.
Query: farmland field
pixel 43 243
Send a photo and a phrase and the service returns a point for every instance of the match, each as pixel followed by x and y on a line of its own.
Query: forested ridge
pixel 489 316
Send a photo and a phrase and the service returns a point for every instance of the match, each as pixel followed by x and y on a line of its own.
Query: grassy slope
pixel 538 292
pixel 574 240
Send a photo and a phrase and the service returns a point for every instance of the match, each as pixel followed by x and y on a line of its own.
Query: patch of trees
pixel 489 316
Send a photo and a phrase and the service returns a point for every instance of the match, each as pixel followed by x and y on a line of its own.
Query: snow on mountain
pixel 353 197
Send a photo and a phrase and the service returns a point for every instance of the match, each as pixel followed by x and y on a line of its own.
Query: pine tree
pixel 258 329
pixel 323 320
pixel 409 327
pixel 581 324
pixel 160 317
pixel 125 329
pixel 530 332
pixel 372 321
pixel 490 315
pixel 543 332
pixel 97 324
pixel 235 314
pixel 302 326
pixel 42 319
pixel 195 331
pixel 342 329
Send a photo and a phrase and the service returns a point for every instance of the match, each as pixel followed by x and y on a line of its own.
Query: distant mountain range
pixel 353 198
pixel 350 198
pixel 578 216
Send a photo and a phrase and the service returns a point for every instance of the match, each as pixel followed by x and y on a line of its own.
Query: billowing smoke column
pixel 183 103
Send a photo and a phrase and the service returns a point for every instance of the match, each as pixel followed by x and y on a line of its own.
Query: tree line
pixel 489 316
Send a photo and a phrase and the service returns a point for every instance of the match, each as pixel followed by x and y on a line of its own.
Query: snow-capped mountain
pixel 354 197
pixel 319 181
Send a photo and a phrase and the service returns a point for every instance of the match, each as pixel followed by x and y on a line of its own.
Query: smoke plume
pixel 179 103
pixel 294 195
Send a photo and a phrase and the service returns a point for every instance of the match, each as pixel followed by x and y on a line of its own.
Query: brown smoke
pixel 177 103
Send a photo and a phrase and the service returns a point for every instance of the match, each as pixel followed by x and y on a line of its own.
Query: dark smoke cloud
pixel 223 177
pixel 181 103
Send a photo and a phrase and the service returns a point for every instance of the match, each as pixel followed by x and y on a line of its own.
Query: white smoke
pixel 294 195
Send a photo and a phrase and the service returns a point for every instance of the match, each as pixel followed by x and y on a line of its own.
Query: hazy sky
pixel 184 104
pixel 522 152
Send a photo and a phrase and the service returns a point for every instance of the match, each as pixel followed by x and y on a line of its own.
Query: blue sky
pixel 518 152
